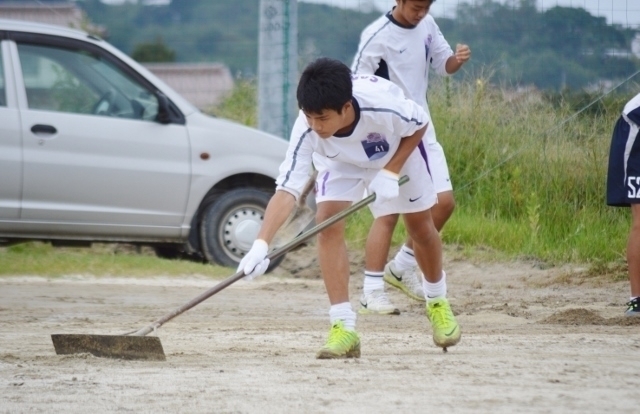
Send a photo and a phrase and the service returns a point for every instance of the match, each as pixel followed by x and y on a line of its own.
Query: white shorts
pixel 346 182
pixel 437 162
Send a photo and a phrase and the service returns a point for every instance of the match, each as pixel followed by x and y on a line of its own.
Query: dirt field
pixel 534 341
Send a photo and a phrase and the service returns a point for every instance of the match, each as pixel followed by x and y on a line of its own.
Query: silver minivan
pixel 95 148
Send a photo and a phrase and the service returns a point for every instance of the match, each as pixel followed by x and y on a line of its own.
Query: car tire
pixel 229 225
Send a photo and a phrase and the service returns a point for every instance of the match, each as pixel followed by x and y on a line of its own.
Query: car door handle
pixel 43 129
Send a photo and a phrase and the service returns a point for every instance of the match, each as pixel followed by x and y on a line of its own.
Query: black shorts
pixel 623 178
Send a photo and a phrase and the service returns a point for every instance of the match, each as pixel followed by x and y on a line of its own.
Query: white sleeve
pixel 408 115
pixel 440 50
pixel 297 165
pixel 368 57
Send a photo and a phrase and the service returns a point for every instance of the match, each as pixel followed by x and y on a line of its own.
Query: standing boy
pixel 623 188
pixel 400 46
pixel 365 132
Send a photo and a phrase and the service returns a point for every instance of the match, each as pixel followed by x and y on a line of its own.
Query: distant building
pixel 202 84
pixel 61 14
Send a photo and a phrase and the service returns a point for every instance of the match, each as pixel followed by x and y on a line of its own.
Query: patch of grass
pixel 616 271
pixel 42 259
pixel 241 105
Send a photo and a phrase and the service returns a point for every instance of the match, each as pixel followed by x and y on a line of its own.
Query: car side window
pixel 3 97
pixel 78 81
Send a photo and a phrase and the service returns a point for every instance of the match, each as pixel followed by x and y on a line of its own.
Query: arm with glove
pixel 255 262
pixel 385 183
pixel 294 171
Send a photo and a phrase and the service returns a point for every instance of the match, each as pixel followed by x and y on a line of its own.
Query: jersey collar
pixel 397 23
pixel 352 127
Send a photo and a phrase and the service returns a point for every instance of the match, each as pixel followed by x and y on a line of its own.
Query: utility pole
pixel 277 66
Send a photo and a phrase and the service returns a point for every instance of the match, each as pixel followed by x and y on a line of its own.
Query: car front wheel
pixel 230 224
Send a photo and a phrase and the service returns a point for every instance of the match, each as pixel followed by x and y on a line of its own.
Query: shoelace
pixel 338 336
pixel 379 298
pixel 439 315
pixel 411 280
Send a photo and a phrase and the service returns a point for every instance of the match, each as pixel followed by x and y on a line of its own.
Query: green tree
pixel 560 47
pixel 153 52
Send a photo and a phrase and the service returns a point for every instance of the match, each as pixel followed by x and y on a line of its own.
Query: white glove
pixel 255 262
pixel 385 185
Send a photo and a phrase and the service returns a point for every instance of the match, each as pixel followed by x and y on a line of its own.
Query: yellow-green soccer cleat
pixel 409 281
pixel 342 343
pixel 446 331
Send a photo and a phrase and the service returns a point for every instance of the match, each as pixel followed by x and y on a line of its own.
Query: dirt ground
pixel 534 341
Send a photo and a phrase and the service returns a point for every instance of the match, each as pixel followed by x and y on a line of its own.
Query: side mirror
pixel 164 112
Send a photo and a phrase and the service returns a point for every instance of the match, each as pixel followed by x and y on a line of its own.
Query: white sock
pixel 435 290
pixel 343 312
pixel 372 281
pixel 405 259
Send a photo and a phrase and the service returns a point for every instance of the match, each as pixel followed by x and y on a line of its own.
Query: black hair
pixel 325 84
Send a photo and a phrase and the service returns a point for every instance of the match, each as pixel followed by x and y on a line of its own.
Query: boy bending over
pixel 367 134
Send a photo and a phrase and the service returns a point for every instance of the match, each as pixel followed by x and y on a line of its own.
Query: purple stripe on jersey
pixel 359 58
pixel 423 152
pixel 404 118
pixel 294 160
pixel 325 177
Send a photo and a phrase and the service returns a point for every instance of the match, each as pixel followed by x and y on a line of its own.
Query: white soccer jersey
pixel 383 117
pixel 403 54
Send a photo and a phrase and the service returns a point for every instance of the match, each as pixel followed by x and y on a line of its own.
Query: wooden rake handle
pixel 274 254
pixel 310 185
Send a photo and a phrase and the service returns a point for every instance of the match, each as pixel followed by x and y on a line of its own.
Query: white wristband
pixel 259 243
pixel 389 174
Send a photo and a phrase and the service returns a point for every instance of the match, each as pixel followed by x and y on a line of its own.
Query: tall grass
pixel 529 174
pixel 241 104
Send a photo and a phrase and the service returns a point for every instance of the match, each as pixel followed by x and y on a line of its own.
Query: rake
pixel 136 345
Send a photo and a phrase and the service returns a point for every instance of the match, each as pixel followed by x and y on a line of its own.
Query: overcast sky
pixel 624 12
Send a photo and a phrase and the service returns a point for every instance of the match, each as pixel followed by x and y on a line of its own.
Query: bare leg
pixel 633 251
pixel 427 244
pixel 428 252
pixel 378 242
pixel 440 213
pixel 332 252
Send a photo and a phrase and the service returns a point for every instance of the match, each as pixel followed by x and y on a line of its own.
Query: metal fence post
pixel 277 66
